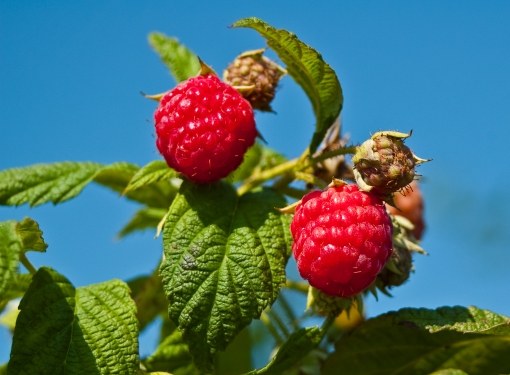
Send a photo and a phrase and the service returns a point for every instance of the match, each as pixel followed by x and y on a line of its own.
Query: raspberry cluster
pixel 342 239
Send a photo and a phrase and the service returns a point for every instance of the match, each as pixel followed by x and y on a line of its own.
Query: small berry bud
pixel 256 77
pixel 384 163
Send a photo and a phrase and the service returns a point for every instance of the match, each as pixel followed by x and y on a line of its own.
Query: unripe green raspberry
pixel 256 77
pixel 384 163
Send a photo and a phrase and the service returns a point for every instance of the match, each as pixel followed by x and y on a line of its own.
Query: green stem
pixel 326 325
pixel 264 318
pixel 298 164
pixel 279 322
pixel 24 260
pixel 287 309
pixel 331 154
pixel 266 175
pixel 297 286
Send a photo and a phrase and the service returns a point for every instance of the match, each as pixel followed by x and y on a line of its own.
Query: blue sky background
pixel 71 74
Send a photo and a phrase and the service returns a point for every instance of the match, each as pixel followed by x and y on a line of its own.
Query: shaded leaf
pixel 172 355
pixel 421 341
pixel 155 171
pixel 236 359
pixel 257 158
pixel 181 62
pixel 307 67
pixel 117 177
pixel 224 263
pixel 150 300
pixel 60 329
pixel 143 219
pixel 297 346
pixel 15 239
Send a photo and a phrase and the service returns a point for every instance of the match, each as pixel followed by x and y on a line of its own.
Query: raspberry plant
pixel 224 216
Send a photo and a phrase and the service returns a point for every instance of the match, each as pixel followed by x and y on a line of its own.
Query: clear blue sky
pixel 71 73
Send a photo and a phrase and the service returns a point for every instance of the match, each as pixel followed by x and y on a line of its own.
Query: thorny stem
pixel 297 164
pixel 24 260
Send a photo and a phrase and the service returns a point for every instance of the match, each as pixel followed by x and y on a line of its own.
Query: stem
pixel 271 328
pixel 331 154
pixel 298 164
pixel 24 260
pixel 287 309
pixel 297 286
pixel 279 322
pixel 268 174
pixel 326 325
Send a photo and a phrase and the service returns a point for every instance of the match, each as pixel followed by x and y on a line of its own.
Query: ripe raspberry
pixel 342 239
pixel 251 69
pixel 203 128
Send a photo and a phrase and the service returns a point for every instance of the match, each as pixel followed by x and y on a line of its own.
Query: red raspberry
pixel 342 239
pixel 203 128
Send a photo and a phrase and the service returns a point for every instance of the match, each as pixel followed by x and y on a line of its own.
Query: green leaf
pixel 236 359
pixel 172 355
pixel 60 329
pixel 421 341
pixel 117 176
pixel 257 158
pixel 449 371
pixel 224 263
pixel 155 171
pixel 9 316
pixel 150 300
pixel 15 239
pixel 58 182
pixel 297 346
pixel 30 235
pixel 42 183
pixel 307 67
pixel 17 285
pixel 181 62
pixel 143 219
